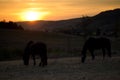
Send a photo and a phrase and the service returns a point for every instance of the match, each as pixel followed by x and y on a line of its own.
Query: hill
pixel 49 25
pixel 107 21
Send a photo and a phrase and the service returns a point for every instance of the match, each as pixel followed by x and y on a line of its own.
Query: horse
pixel 96 43
pixel 34 49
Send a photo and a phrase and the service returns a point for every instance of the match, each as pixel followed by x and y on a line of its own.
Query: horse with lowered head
pixel 96 43
pixel 34 49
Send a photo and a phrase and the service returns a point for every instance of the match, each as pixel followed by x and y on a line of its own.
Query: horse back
pixel 98 43
pixel 104 42
pixel 39 47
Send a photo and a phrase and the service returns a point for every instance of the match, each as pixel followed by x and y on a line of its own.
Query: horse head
pixel 27 52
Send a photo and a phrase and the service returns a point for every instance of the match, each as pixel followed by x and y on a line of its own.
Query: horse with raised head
pixel 34 49
pixel 96 43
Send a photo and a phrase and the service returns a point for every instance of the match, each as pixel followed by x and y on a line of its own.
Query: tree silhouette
pixel 10 25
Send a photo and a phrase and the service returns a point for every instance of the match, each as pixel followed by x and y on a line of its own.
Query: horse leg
pixel 92 54
pixel 109 54
pixel 103 50
pixel 109 51
pixel 42 62
pixel 34 61
pixel 83 57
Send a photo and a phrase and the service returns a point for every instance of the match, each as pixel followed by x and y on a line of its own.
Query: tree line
pixel 10 25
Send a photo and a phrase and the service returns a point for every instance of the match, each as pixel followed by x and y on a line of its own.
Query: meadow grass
pixel 13 42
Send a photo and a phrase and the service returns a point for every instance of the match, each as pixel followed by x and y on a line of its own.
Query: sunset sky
pixel 23 10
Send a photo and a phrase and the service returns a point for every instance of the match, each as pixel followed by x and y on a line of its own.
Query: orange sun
pixel 32 15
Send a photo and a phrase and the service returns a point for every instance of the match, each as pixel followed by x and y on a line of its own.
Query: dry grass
pixel 13 42
pixel 63 69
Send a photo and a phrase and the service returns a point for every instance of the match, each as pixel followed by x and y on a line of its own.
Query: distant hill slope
pixel 49 25
pixel 107 21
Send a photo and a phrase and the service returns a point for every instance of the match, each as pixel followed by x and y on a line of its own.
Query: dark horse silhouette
pixel 33 49
pixel 96 43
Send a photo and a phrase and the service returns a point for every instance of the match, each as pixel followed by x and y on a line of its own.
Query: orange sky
pixel 18 10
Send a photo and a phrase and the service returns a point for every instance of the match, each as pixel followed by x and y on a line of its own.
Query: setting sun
pixel 32 15
pixel 31 10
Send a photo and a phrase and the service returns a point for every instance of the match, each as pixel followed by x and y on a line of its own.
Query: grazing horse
pixel 33 49
pixel 96 43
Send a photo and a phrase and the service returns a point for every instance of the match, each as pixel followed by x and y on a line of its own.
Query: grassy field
pixel 64 62
pixel 63 69
pixel 13 42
